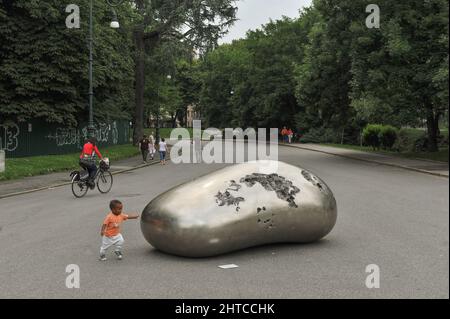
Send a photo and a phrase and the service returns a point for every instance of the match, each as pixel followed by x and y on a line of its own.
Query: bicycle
pixel 103 179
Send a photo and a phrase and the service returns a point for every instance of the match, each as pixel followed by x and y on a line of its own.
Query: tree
pixel 199 22
pixel 251 83
pixel 189 85
pixel 400 72
pixel 44 65
pixel 222 71
pixel 164 96
pixel 323 77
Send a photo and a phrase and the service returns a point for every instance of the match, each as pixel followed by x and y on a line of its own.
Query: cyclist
pixel 87 159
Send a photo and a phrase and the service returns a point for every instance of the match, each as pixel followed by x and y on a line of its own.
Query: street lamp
pixel 115 22
pixel 157 137
pixel 115 25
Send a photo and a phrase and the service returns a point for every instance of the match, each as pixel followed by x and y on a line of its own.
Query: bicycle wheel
pixel 104 182
pixel 79 188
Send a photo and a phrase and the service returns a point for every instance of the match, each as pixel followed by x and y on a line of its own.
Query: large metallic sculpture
pixel 240 206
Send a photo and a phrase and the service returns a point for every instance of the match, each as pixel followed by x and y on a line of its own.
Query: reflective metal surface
pixel 240 206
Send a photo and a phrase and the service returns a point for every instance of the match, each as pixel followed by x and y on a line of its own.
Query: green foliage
pixel 400 71
pixel 40 165
pixel 250 83
pixel 343 75
pixel 443 139
pixel 170 97
pixel 376 135
pixel 44 65
pixel 415 140
pixel 193 24
pixel 320 135
pixel 441 156
pixel 410 140
pixel 221 71
pixel 388 136
pixel 323 76
pixel 371 135
pixel 165 132
pixel 324 69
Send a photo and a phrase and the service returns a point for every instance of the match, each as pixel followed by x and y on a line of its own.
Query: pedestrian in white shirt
pixel 162 151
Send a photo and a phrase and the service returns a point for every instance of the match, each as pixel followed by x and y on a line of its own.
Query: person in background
pixel 144 145
pixel 152 149
pixel 87 159
pixel 284 134
pixel 162 151
pixel 290 134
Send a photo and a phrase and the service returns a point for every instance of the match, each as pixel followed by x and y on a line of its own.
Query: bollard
pixel 2 161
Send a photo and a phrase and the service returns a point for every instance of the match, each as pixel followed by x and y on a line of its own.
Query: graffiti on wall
pixel 9 137
pixel 115 133
pixel 72 136
pixel 66 136
pixel 39 138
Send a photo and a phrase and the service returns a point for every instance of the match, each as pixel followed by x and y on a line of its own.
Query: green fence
pixel 39 138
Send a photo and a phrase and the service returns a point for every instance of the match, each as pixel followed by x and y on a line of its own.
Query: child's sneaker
pixel 119 255
pixel 102 258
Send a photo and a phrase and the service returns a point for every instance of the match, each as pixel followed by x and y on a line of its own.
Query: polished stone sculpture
pixel 240 206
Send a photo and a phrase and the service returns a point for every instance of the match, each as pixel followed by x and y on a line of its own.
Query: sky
pixel 254 13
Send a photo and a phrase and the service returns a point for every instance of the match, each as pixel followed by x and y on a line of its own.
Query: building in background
pixel 192 114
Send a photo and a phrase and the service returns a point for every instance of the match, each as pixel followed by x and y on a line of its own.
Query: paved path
pixel 420 165
pixel 392 217
pixel 55 179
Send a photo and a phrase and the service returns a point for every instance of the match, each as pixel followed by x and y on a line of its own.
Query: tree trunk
pixel 433 128
pixel 174 119
pixel 140 85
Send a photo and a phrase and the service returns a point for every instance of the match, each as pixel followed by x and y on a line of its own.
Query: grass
pixel 164 132
pixel 441 156
pixel 39 165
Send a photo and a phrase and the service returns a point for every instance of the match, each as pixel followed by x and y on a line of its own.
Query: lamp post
pixel 157 126
pixel 157 135
pixel 115 25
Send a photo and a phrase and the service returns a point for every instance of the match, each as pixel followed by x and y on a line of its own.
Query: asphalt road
pixel 394 218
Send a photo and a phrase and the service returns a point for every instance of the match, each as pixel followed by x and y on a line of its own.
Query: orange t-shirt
pixel 112 223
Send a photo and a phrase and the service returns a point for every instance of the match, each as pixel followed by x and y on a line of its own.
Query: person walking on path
pixel 290 134
pixel 196 152
pixel 162 151
pixel 284 134
pixel 144 145
pixel 152 149
pixel 110 232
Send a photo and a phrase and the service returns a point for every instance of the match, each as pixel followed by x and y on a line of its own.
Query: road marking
pixel 230 266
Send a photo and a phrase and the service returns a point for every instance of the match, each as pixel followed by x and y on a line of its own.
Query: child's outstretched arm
pixel 133 216
pixel 102 232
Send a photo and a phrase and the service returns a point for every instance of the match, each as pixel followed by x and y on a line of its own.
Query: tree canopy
pixel 44 65
pixel 327 69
